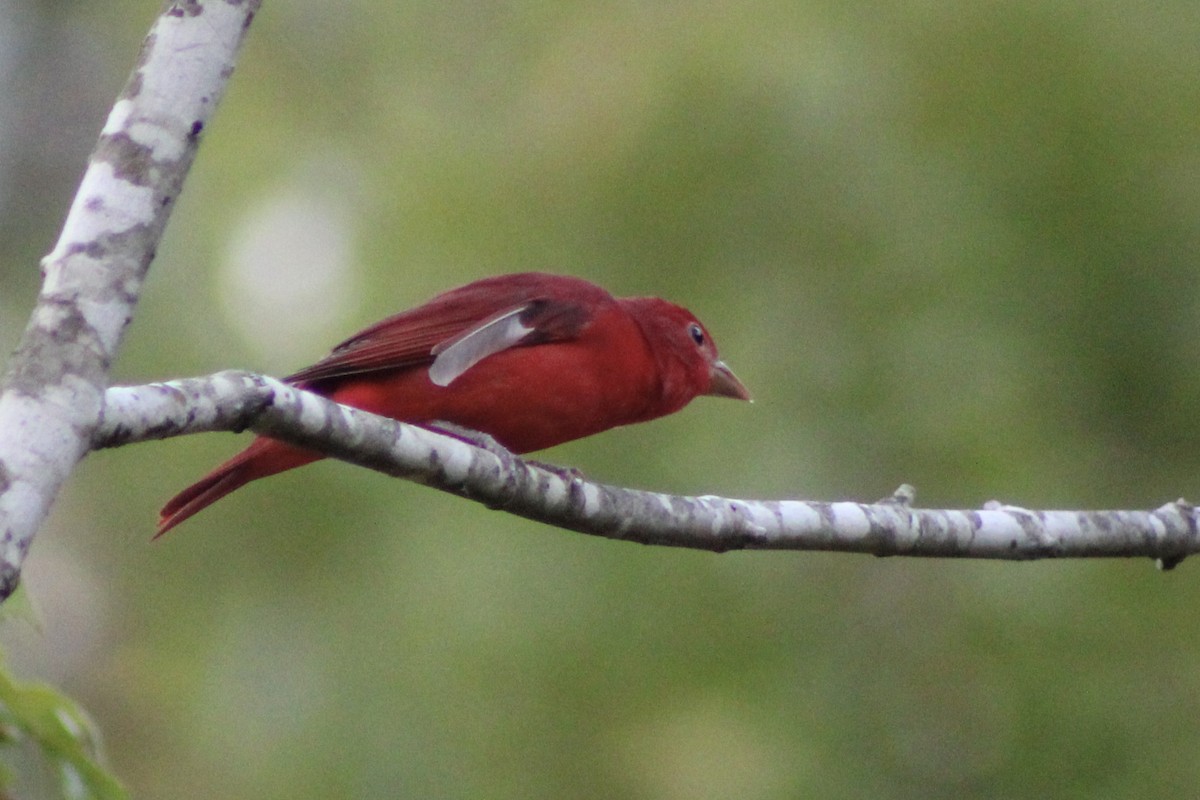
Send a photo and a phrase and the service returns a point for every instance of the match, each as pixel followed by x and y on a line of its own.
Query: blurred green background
pixel 947 244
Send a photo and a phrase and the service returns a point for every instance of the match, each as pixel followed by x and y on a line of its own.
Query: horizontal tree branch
pixel 235 401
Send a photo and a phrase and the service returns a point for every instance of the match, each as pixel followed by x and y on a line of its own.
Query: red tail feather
pixel 262 458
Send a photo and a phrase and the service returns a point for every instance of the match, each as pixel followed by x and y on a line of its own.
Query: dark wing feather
pixel 555 309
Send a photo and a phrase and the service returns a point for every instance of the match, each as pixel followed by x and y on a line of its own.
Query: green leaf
pixel 63 733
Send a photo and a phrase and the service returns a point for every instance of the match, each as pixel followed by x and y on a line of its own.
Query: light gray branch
pixel 54 405
pixel 241 400
pixel 52 391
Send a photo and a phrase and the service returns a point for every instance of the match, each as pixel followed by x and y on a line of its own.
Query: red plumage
pixel 531 359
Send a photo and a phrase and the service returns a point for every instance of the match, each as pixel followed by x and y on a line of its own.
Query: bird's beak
pixel 723 383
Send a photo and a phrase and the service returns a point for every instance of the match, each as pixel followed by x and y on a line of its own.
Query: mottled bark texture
pixel 53 389
pixel 55 404
pixel 240 400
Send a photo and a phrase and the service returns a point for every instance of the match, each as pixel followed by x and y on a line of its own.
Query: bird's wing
pixel 456 330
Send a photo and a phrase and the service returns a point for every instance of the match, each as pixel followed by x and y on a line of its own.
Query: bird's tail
pixel 263 457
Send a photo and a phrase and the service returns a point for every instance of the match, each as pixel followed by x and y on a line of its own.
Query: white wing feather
pixel 457 355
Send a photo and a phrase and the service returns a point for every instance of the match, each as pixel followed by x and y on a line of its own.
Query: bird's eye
pixel 697 334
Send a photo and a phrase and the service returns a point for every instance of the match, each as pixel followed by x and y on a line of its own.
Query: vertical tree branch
pixel 52 393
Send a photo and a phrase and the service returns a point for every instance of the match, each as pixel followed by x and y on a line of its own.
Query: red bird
pixel 531 359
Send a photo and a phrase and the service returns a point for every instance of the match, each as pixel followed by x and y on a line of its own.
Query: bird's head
pixel 686 353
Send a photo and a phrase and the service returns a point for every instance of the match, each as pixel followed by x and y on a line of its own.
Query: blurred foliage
pixel 952 245
pixel 58 733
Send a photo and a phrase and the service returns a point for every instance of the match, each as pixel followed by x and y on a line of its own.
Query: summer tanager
pixel 531 359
